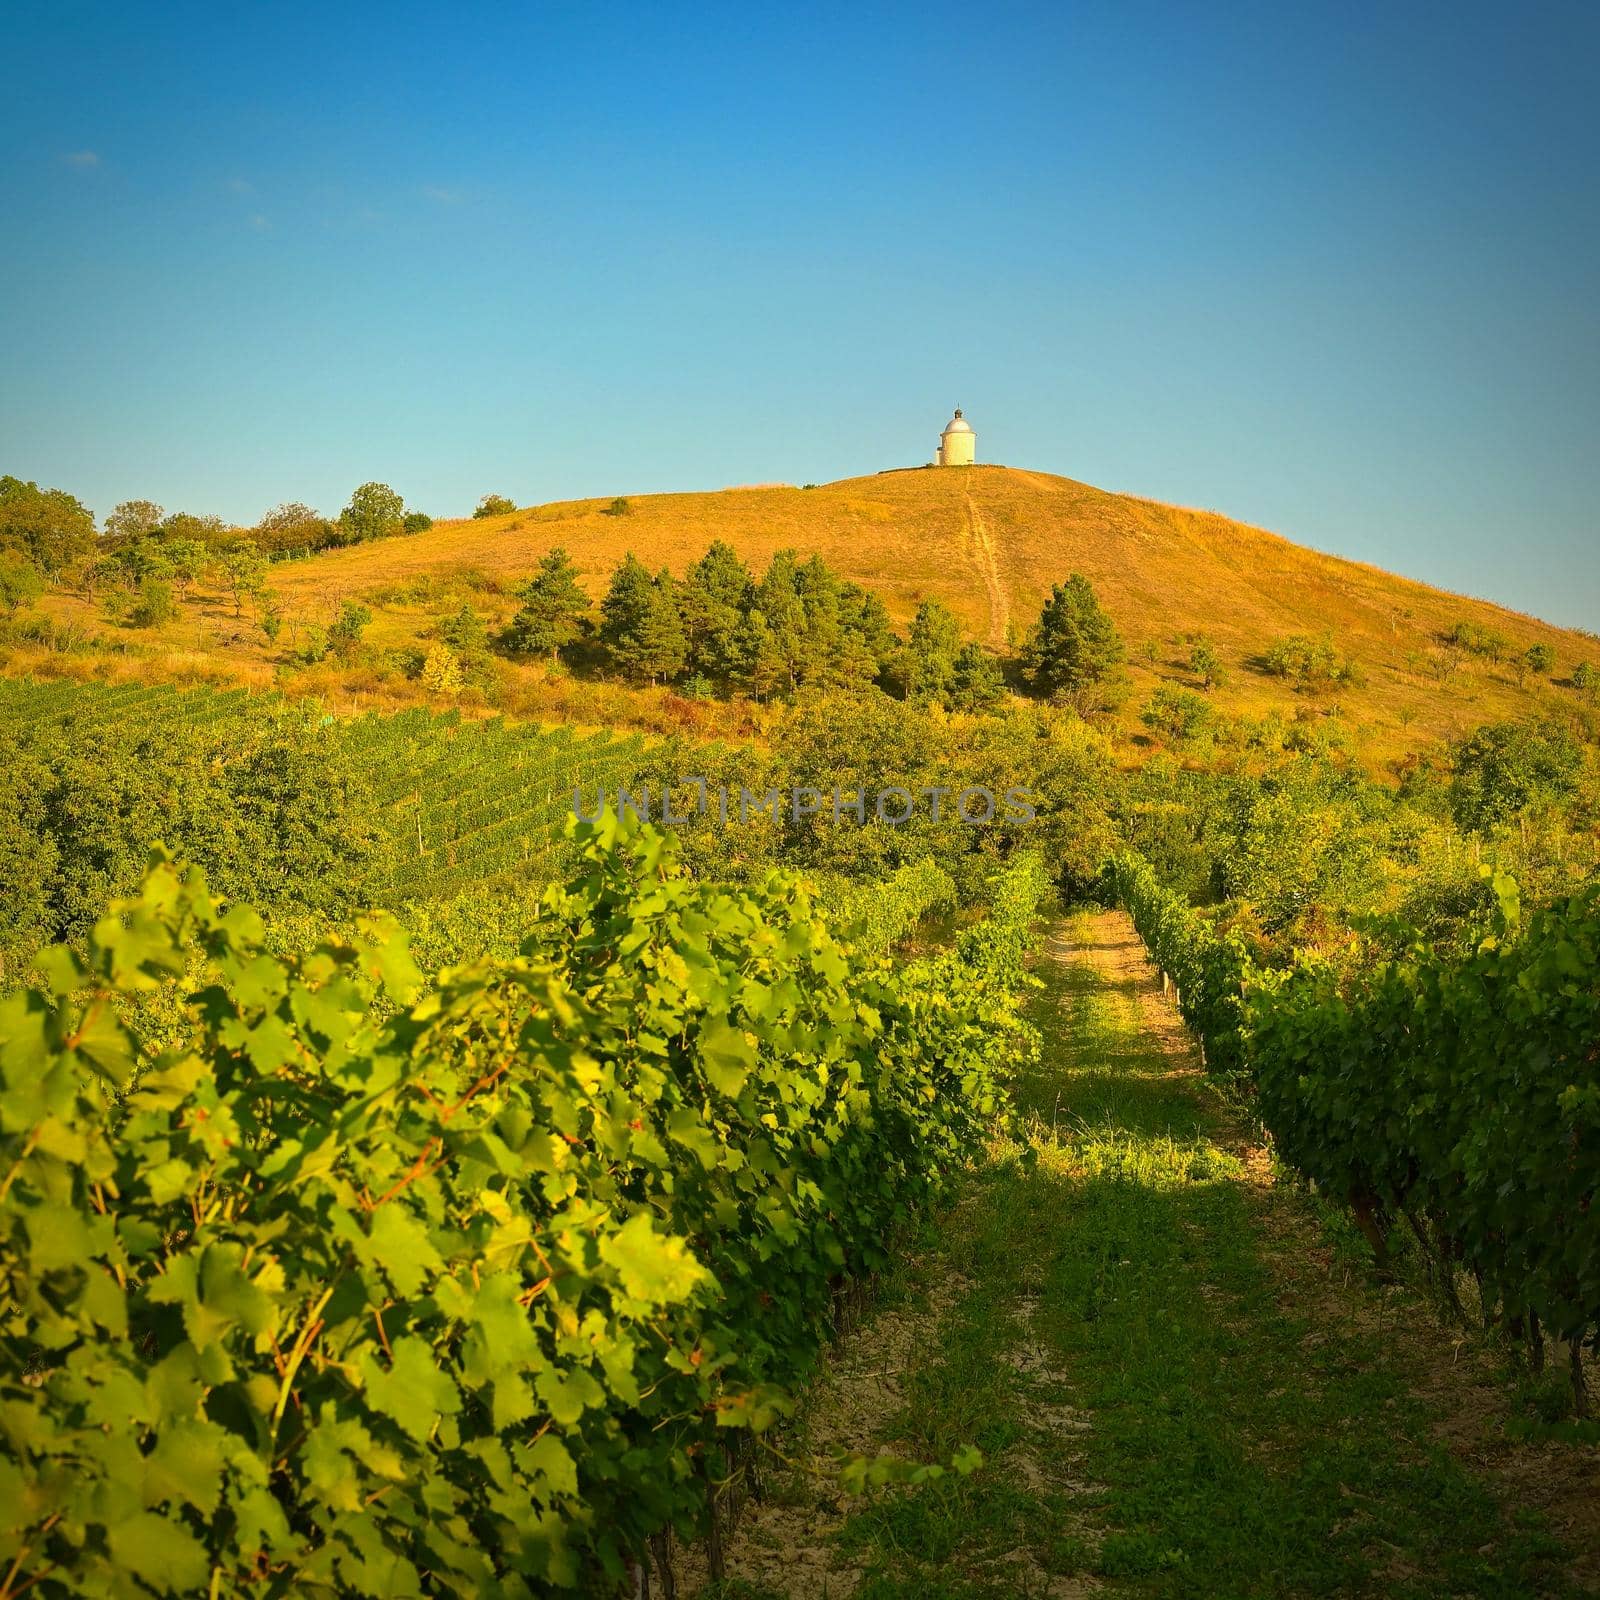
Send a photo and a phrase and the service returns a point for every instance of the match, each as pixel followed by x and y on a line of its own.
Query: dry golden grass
pixel 987 541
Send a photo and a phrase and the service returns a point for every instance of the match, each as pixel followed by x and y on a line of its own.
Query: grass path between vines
pixel 1181 1386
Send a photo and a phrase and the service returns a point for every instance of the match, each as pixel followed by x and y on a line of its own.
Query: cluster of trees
pixel 53 532
pixel 375 511
pixel 720 629
pixel 146 559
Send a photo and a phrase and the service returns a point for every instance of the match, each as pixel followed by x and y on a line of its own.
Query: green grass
pixel 1172 1397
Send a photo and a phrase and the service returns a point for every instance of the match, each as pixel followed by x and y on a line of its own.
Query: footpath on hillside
pixel 1181 1383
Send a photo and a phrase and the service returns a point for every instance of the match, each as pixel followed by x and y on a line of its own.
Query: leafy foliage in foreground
pixel 452 1303
pixel 1462 1092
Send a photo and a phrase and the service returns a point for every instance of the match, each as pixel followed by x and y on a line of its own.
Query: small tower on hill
pixel 958 444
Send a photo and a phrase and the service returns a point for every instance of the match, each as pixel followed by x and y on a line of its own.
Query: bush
pixel 345 633
pixel 416 522
pixel 1477 640
pixel 1311 662
pixel 153 604
pixel 1177 715
pixel 495 505
pixel 441 670
pixel 21 583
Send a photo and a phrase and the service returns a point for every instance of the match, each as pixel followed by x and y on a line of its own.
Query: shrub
pixel 1310 662
pixel 1178 715
pixel 495 505
pixel 345 633
pixel 441 670
pixel 1477 640
pixel 21 583
pixel 153 604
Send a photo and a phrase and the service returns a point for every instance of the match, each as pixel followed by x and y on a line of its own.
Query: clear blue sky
pixel 1330 268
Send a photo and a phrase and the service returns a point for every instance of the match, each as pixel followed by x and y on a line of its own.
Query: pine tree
pixel 766 668
pixel 784 613
pixel 661 648
pixel 554 609
pixel 1074 650
pixel 931 653
pixel 714 599
pixel 978 683
pixel 640 624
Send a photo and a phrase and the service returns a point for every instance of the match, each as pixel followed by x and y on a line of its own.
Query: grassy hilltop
pixel 987 541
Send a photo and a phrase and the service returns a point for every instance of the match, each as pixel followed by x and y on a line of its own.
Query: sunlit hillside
pixel 990 541
pixel 987 541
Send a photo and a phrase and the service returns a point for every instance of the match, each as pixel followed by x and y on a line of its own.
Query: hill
pixel 989 542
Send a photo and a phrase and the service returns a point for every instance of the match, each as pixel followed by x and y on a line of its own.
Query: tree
pixel 1074 647
pixel 48 526
pixel 931 652
pixel 243 570
pixel 465 632
pixel 714 597
pixel 375 512
pixel 294 526
pixel 134 519
pixel 1586 678
pixel 206 530
pixel 345 633
pixel 766 668
pixel 1206 664
pixel 441 670
pixel 640 625
pixel 1505 768
pixel 554 609
pixel 978 684
pixel 97 573
pixel 783 612
pixel 495 505
pixel 21 583
pixel 662 649
pixel 1539 659
pixel 180 562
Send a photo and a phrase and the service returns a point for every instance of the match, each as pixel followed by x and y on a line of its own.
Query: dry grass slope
pixel 990 541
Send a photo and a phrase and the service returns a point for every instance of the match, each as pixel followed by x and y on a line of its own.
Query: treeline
pixel 722 630
pixel 53 531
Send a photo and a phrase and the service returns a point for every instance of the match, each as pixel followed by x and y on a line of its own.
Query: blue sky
pixel 1330 268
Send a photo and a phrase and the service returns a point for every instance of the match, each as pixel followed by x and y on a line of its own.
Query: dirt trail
pixel 1153 1343
pixel 983 546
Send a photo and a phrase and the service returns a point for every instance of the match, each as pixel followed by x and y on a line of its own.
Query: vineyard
pixel 492 1242
pixel 492 1291
pixel 1460 1095
pixel 460 802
